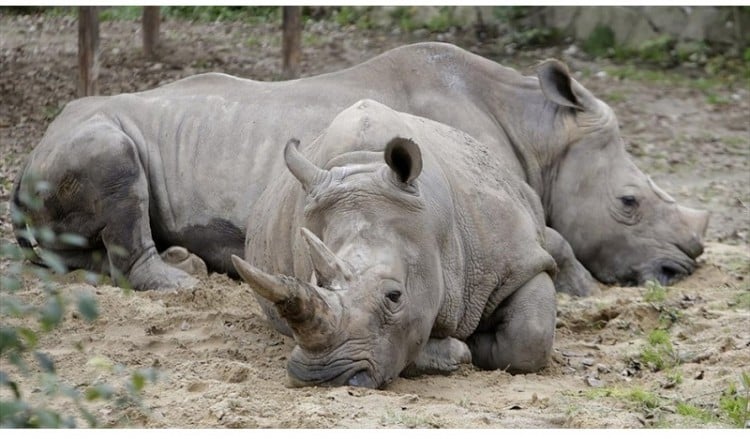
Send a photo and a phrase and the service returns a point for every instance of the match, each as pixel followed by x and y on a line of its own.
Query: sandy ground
pixel 221 365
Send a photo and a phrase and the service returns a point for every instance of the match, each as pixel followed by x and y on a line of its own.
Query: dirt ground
pixel 221 365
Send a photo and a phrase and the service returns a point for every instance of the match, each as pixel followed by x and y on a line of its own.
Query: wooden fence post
pixel 88 50
pixel 150 31
pixel 291 41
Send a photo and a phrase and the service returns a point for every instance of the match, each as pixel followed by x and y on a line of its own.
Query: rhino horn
pixel 309 316
pixel 303 169
pixel 331 271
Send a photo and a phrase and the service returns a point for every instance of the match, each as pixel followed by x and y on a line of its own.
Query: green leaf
pixel 46 363
pixel 46 419
pixel 11 414
pixel 99 391
pixel 72 239
pixel 88 307
pixel 13 307
pixel 6 381
pixel 52 313
pixel 138 381
pixel 53 261
pixel 90 418
pixel 29 337
pixel 9 283
pixel 9 339
pixel 17 360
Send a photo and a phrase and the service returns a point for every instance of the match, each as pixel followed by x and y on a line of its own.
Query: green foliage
pixel 641 398
pixel 223 13
pixel 742 300
pixel 511 14
pixel 600 41
pixel 24 325
pixel 537 37
pixel 443 21
pixel 358 16
pixel 655 292
pixel 657 50
pixel 734 402
pixel 659 353
pixel 114 13
pixel 691 411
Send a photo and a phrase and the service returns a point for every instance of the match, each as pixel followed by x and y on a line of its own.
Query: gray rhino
pixel 396 243
pixel 181 166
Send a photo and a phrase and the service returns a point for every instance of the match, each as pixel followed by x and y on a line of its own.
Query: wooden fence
pixel 88 43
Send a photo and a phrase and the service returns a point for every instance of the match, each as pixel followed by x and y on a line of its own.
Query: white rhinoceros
pixel 399 242
pixel 183 165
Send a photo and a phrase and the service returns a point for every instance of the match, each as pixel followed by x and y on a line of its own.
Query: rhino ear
pixel 404 158
pixel 556 83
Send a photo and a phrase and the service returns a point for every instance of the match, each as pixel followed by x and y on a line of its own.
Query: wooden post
pixel 150 31
pixel 291 41
pixel 88 50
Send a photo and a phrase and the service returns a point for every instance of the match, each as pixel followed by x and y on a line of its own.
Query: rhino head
pixel 620 224
pixel 375 287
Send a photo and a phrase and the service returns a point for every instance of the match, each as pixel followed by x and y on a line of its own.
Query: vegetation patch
pixel 25 324
pixel 659 354
pixel 734 401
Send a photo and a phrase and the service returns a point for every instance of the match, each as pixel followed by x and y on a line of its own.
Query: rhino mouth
pixel 667 272
pixel 663 270
pixel 356 373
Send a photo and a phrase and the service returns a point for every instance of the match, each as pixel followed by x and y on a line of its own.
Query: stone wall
pixel 633 25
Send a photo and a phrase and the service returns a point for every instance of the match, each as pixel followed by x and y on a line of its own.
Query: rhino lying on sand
pixel 418 238
pixel 183 164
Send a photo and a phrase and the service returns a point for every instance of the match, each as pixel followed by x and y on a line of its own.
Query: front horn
pixel 309 316
pixel 330 270
pixel 303 169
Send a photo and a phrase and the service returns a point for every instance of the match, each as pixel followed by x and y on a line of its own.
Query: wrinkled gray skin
pixel 182 165
pixel 396 243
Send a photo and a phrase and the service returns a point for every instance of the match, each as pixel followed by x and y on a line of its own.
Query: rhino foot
pixel 574 279
pixel 439 356
pixel 153 274
pixel 180 257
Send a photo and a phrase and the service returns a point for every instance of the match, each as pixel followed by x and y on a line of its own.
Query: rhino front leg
pixel 572 277
pixel 114 187
pixel 127 233
pixel 518 336
pixel 439 356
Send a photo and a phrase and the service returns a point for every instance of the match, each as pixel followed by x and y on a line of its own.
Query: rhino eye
pixel 394 296
pixel 629 201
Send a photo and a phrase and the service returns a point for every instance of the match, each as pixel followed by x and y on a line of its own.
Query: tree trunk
pixel 291 45
pixel 88 50
pixel 150 31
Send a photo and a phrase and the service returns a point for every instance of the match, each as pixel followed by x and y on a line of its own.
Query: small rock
pixel 184 326
pixel 572 50
pixel 594 381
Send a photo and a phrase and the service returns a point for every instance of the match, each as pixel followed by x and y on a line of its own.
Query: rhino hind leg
pixel 572 277
pixel 518 336
pixel 100 192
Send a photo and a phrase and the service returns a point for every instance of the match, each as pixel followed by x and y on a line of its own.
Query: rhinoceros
pixel 398 243
pixel 182 165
